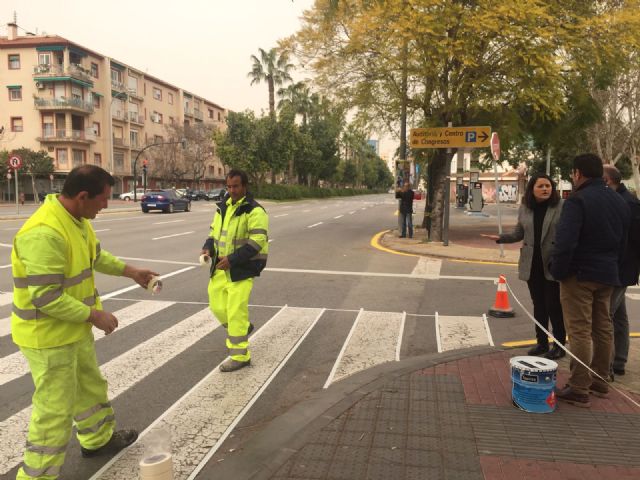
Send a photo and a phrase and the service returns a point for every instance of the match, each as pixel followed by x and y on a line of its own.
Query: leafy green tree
pixel 273 68
pixel 35 164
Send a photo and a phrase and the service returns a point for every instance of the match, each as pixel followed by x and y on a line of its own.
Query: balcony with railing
pixel 133 92
pixel 135 118
pixel 63 103
pixel 198 114
pixel 120 142
pixel 52 135
pixel 118 86
pixel 188 111
pixel 46 71
pixel 119 115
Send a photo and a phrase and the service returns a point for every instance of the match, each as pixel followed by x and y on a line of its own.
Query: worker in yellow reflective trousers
pixel 55 305
pixel 238 245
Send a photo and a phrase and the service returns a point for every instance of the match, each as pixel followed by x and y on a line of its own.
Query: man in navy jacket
pixel 628 272
pixel 590 242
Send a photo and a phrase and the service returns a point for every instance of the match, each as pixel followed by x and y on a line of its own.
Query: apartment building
pixel 85 108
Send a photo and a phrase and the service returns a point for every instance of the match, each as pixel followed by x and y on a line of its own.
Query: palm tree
pixel 272 68
pixel 297 97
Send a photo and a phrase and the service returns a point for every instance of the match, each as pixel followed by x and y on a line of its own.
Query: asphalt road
pixel 328 307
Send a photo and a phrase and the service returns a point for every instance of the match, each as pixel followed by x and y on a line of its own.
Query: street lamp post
pixel 183 142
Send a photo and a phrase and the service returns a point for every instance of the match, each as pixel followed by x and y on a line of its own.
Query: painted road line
pixel 314 225
pixel 6 298
pixel 271 240
pixel 5 326
pixel 633 296
pixel 154 260
pixel 6 245
pixel 15 366
pixel 339 216
pixel 351 213
pixel 102 230
pixel 147 357
pixel 115 293
pixel 201 420
pixel 373 340
pixel 487 329
pixel 462 332
pixel 378 274
pixel 5 266
pixel 169 221
pixel 427 268
pixel 281 215
pixel 171 236
pixel 438 341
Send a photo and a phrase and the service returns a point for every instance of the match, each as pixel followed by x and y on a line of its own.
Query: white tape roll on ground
pixel 155 285
pixel 157 467
pixel 204 259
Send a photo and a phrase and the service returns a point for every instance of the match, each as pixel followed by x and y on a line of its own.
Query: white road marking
pixel 5 326
pixel 5 266
pixel 147 357
pixel 351 213
pixel 339 216
pixel 462 332
pixel 270 240
pixel 306 211
pixel 203 418
pixel 281 215
pixel 400 335
pixel 427 268
pixel 438 341
pixel 633 296
pixel 154 260
pixel 6 298
pixel 314 225
pixel 14 365
pixel 174 235
pixel 6 245
pixel 170 221
pixel 377 274
pixel 102 230
pixel 115 293
pixel 373 340
pixel 488 330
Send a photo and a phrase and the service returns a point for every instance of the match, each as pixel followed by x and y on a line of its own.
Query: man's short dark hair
pixel 589 164
pixel 613 173
pixel 234 172
pixel 87 178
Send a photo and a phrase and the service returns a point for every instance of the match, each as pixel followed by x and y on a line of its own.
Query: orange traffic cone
pixel 501 308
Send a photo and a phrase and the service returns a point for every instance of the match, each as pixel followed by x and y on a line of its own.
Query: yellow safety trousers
pixel 69 390
pixel 229 302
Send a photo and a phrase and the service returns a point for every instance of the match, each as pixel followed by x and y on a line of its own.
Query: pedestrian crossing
pixel 204 416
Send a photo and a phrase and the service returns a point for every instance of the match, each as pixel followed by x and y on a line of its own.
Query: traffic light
pixel 144 165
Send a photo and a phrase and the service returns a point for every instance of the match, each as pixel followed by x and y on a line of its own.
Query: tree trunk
pixel 272 100
pixel 438 178
pixel 36 200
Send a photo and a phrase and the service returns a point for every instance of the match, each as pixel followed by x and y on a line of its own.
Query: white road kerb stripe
pixel 315 225
pixel 171 236
pixel 201 420
pixel 15 365
pixel 147 357
pixel 462 332
pixel 374 339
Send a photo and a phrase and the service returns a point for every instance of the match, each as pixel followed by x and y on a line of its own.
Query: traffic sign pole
pixel 495 151
pixel 17 202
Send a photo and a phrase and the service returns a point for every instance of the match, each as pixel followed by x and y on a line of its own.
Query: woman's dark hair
pixel 87 178
pixel 530 201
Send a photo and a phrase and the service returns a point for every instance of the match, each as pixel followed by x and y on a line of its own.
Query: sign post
pixel 8 187
pixel 15 162
pixel 495 152
pixel 450 137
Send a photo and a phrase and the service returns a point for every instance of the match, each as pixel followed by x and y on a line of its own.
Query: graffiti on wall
pixel 508 192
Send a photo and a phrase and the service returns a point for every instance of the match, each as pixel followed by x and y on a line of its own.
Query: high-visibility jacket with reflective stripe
pixel 53 259
pixel 241 233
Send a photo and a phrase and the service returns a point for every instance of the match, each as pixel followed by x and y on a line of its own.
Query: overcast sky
pixel 200 45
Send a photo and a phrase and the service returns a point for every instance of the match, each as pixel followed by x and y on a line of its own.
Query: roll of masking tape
pixel 204 259
pixel 157 467
pixel 154 285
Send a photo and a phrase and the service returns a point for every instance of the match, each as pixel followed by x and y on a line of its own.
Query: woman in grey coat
pixel 536 227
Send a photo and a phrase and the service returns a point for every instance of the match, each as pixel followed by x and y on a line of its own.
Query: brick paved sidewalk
pixel 456 421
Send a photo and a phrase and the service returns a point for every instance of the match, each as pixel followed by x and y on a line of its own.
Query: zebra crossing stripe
pixel 427 268
pixel 14 365
pixel 455 332
pixel 373 339
pixel 5 326
pixel 6 298
pixel 202 419
pixel 147 357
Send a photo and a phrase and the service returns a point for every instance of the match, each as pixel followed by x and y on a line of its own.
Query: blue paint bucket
pixel 533 382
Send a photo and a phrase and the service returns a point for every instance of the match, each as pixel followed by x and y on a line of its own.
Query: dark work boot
pixel 555 353
pixel 538 350
pixel 567 394
pixel 118 441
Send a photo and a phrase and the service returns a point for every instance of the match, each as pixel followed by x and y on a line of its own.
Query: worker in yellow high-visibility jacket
pixel 238 245
pixel 55 305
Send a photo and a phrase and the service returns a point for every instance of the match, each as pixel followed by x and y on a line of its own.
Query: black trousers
pixel 545 295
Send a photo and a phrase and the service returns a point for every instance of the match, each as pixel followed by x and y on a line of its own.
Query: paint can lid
pixel 533 364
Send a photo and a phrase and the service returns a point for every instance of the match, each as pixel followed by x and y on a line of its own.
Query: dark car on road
pixel 216 194
pixel 196 195
pixel 166 200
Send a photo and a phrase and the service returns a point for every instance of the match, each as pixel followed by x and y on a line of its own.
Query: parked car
pixel 128 196
pixel 181 192
pixel 216 194
pixel 196 195
pixel 166 200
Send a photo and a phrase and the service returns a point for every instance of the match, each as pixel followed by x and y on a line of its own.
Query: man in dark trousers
pixel 591 238
pixel 406 209
pixel 628 272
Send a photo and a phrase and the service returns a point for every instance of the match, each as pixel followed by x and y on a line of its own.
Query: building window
pixel 132 84
pixel 78 157
pixel 219 170
pixel 118 161
pixel 170 98
pixel 47 125
pixel 156 117
pixel 133 137
pixel 15 94
pixel 158 139
pixel 96 128
pixel 95 73
pixel 44 58
pixel 61 156
pixel 218 116
pixel 157 93
pixel 16 124
pixel 96 101
pixel 76 92
pixel 97 159
pixel 210 113
pixel 171 120
pixel 14 62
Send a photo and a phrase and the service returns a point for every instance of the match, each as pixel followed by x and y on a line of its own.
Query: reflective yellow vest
pixel 30 326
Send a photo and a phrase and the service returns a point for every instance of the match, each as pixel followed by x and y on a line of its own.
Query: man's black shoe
pixel 555 353
pixel 567 394
pixel 538 350
pixel 619 371
pixel 119 440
